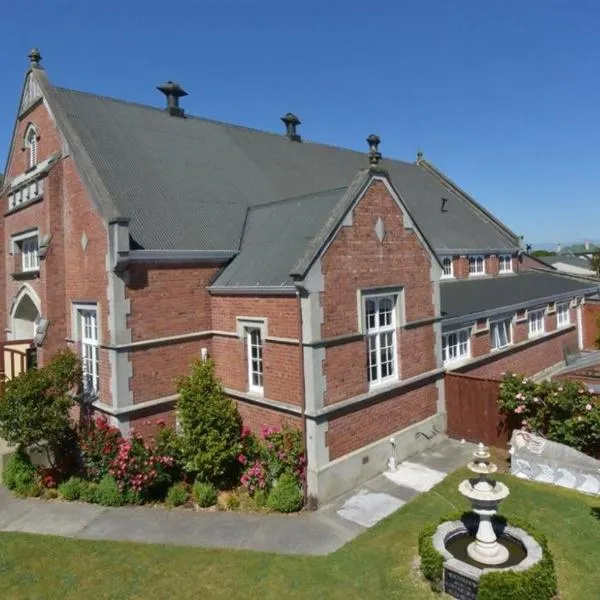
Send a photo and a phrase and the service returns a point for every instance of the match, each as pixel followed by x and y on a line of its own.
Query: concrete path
pixel 318 533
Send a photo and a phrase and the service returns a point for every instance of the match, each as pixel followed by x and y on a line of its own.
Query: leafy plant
pixel 286 495
pixel 232 502
pixel 88 491
pixel 563 411
pixel 210 426
pixel 204 493
pixel 99 443
pixel 20 476
pixel 71 489
pixel 107 493
pixel 34 409
pixel 177 494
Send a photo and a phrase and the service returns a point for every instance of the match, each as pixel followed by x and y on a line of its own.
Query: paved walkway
pixel 318 533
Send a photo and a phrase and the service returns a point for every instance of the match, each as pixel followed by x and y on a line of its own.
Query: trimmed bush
pixel 286 495
pixel 232 502
pixel 205 494
pixel 210 426
pixel 88 492
pixel 19 475
pixel 72 488
pixel 108 493
pixel 177 495
pixel 537 583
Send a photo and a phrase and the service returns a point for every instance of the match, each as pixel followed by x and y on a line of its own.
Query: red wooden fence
pixel 472 408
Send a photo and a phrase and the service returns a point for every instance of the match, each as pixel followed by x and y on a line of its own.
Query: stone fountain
pixel 478 543
pixel 485 495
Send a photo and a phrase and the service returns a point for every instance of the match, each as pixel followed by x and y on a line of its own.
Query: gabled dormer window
pixel 505 263
pixel 447 267
pixel 31 145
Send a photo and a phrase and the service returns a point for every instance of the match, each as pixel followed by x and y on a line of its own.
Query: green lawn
pixel 379 564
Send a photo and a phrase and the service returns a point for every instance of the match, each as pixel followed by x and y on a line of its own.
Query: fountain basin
pixel 461 573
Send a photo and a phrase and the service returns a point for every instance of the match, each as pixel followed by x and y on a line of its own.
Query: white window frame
pixel 88 325
pixel 536 322
pixel 476 272
pixel 255 359
pixel 461 349
pixel 502 260
pixel 31 143
pixel 563 315
pixel 507 326
pixel 381 337
pixel 449 275
pixel 30 258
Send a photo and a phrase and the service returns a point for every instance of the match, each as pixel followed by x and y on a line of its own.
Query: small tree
pixel 34 409
pixel 210 426
pixel 595 262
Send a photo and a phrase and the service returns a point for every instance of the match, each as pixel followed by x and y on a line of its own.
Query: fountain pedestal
pixel 485 495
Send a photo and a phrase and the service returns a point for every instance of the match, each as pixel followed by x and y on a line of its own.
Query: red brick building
pixel 332 288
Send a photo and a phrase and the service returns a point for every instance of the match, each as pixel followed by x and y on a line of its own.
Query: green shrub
pixel 205 494
pixel 72 488
pixel 177 494
pixel 210 426
pixel 260 499
pixel 17 468
pixel 108 493
pixel 286 495
pixel 233 502
pixel 88 492
pixel 34 409
pixel 537 583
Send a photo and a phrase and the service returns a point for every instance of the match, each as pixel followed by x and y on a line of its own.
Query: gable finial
pixel 374 154
pixel 419 155
pixel 34 57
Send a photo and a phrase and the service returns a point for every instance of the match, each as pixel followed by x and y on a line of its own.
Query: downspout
pixel 302 392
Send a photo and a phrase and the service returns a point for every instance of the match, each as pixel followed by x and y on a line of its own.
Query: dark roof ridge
pixel 224 123
pixel 295 198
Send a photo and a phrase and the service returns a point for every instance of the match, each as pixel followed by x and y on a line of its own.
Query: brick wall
pixel 533 358
pixel 590 315
pixel 356 260
pixel 353 430
pixel 69 272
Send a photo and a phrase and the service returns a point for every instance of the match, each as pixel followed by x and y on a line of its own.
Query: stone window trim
pixel 25 247
pixel 563 316
pixel 536 322
pixel 253 331
pixel 447 267
pixel 88 342
pixel 456 346
pixel 505 264
pixel 30 144
pixel 501 333
pixel 381 316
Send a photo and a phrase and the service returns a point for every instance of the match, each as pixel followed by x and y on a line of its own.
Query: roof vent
pixel 374 154
pixel 34 57
pixel 291 121
pixel 173 91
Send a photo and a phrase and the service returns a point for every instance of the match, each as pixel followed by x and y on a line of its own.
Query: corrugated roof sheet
pixel 188 183
pixel 469 296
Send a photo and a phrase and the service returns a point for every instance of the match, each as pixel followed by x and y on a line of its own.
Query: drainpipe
pixel 302 391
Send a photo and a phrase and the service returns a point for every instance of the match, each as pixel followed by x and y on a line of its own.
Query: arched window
pixel 31 140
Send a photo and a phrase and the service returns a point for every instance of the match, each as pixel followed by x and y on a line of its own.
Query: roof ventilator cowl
pixel 291 121
pixel 374 154
pixel 173 91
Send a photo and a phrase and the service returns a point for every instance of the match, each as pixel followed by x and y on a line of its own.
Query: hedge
pixel 537 583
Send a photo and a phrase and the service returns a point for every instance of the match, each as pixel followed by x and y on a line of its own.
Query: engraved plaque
pixel 459 586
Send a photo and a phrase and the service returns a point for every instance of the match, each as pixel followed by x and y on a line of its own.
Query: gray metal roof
pixel 473 296
pixel 567 259
pixel 275 235
pixel 188 183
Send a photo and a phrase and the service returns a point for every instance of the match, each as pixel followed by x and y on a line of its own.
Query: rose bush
pixel 567 412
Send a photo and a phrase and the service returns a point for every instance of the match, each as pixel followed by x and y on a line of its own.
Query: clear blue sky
pixel 502 95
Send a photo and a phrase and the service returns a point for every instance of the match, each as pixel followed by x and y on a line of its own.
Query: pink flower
pixel 519 409
pixel 242 459
pixel 588 407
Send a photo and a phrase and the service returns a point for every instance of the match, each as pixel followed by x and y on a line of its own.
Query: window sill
pixel 24 275
pixel 23 205
pixel 258 392
pixel 477 274
pixel 457 362
pixel 447 277
pixel 505 272
pixel 500 348
pixel 385 383
pixel 533 336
